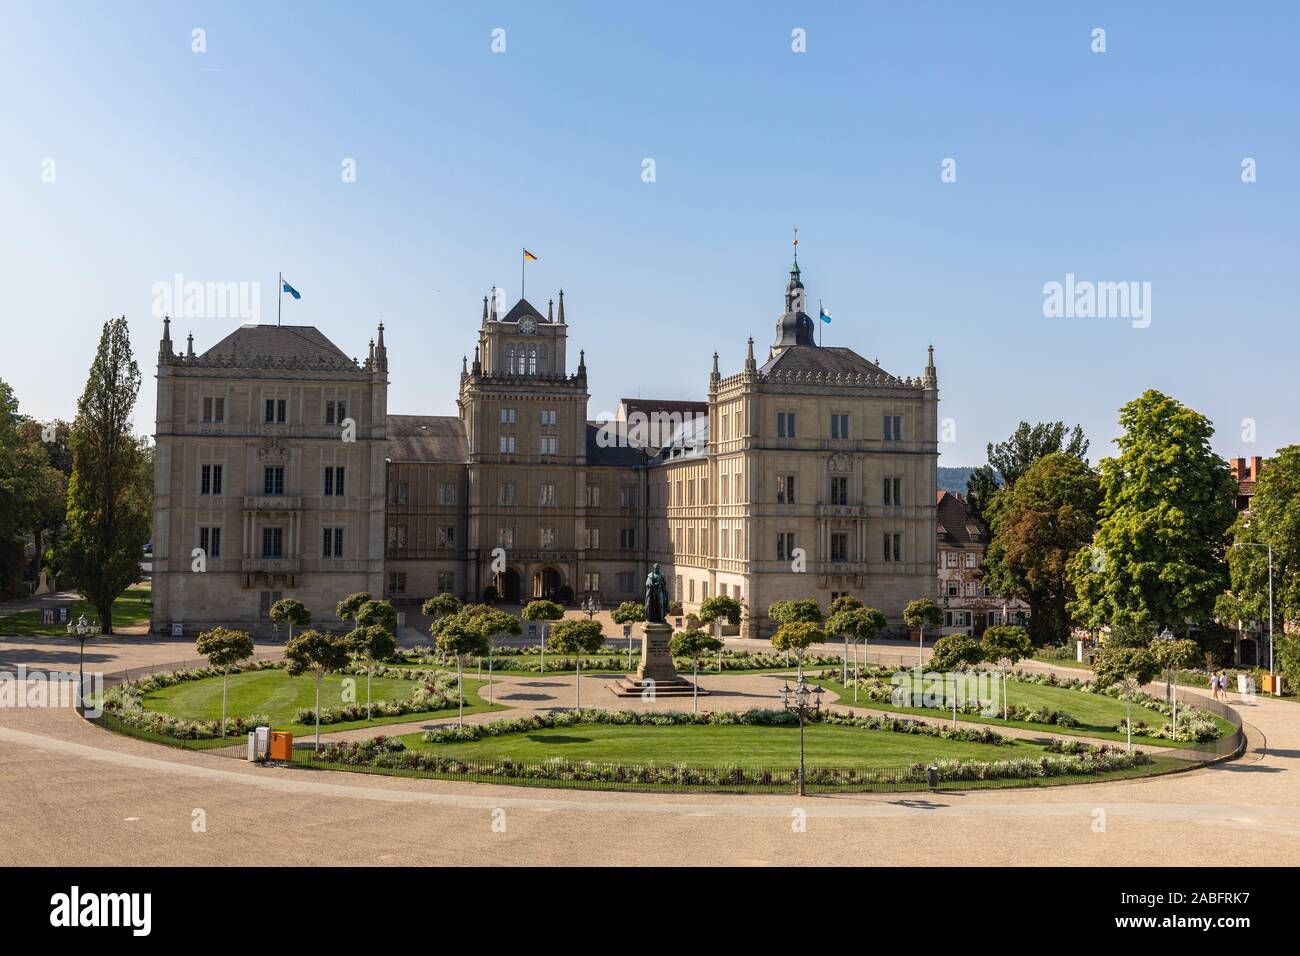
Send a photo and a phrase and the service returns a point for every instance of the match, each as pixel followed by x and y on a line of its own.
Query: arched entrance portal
pixel 546 584
pixel 507 585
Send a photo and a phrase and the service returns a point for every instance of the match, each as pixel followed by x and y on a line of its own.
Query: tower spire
pixel 561 306
pixel 549 314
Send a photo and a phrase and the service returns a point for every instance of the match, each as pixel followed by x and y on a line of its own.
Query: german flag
pixel 529 256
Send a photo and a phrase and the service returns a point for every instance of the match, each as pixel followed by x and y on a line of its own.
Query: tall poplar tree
pixel 109 507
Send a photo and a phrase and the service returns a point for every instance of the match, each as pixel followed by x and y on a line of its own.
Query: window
pixel 893 428
pixel 591 581
pixel 952 559
pixel 549 417
pixel 507 444
pixel 214 409
pixel 627 496
pixel 690 540
pixel 839 546
pixel 510 360
pixel 506 494
pixel 331 542
pixel 893 547
pixel 839 490
pixel 210 480
pixel 593 538
pixel 785 489
pixel 273 480
pixel 626 582
pixel 445 536
pixel 210 541
pixel 397 536
pixel 739 487
pixel 548 496
pixel 840 427
pixel 275 411
pixel 952 588
pixel 970 560
pixel 265 600
pixel 446 581
pixel 335 411
pixel 396 582
pixel 627 538
pixel 273 542
pixel 532 361
pixel 893 490
pixel 547 536
pixel 735 551
pixel 541 358
pixel 550 445
pixel 397 492
pixel 506 537
pixel 593 496
pixel 507 416
pixel 785 546
pixel 446 493
pixel 677 585
pixel 724 485
pixel 690 585
pixel 785 425
pixel 333 481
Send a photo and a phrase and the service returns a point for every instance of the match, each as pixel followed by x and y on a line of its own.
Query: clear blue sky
pixel 225 166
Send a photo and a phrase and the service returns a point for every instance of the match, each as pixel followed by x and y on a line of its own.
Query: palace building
pixel 279 472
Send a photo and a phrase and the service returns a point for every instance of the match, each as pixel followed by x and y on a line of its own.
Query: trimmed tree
pixel 346 610
pixel 796 637
pixel 1127 668
pixel 110 508
pixel 457 638
pixel 694 644
pixel 856 624
pixel 372 643
pixel 318 654
pixel 441 605
pixel 224 647
pixel 956 652
pixel 377 613
pixel 720 607
pixel 290 612
pixel 922 613
pixel 1005 645
pixel 547 611
pixel 629 612
pixel 577 637
pixel 1174 656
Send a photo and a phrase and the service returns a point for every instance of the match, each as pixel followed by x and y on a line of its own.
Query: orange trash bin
pixel 281 745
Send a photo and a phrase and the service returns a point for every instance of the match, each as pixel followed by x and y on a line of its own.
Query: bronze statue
pixel 656 596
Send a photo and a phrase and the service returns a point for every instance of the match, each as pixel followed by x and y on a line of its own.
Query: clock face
pixel 527 325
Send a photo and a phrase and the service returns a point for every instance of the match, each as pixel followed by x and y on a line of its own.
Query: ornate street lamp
pixel 797 699
pixel 590 606
pixel 82 629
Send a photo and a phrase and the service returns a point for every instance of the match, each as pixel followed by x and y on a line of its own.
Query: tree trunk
pixel 318 678
pixel 695 693
pixel 105 613
pixel 224 675
pixel 369 671
pixel 460 692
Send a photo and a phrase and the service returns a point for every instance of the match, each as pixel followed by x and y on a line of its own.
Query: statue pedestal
pixel 656 676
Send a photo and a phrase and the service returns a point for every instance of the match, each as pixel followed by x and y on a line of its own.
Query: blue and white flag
pixel 298 295
pixel 825 316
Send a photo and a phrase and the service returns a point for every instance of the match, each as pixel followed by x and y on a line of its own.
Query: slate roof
pixel 824 358
pixel 690 440
pixel 648 406
pixel 954 525
pixel 427 438
pixel 521 308
pixel 301 343
pixel 610 457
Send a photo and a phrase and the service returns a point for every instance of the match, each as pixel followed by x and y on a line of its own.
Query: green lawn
pixel 710 745
pixel 133 607
pixel 1097 714
pixel 276 694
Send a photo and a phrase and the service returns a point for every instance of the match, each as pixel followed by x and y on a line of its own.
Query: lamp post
pixel 1269 548
pixel 1167 636
pixel 82 629
pixel 796 699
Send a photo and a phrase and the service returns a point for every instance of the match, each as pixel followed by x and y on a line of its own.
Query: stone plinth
pixel 656 673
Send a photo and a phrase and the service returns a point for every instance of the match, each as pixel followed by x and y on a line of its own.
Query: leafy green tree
pixel 318 654
pixel 1157 559
pixel 290 612
pixel 845 602
pixel 1038 525
pixel 694 644
pixel 795 637
pixel 109 512
pixel 955 652
pixel 224 648
pixel 720 607
pixel 807 611
pixel 346 610
pixel 1174 656
pixel 441 605
pixel 577 637
pixel 857 625
pixel 1288 657
pixel 1129 668
pixel 981 486
pixel 372 643
pixel 920 614
pixel 550 611
pixel 457 637
pixel 1030 443
pixel 379 613
pixel 1005 645
pixel 629 612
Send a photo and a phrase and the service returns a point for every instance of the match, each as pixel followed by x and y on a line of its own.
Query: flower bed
pixel 436 693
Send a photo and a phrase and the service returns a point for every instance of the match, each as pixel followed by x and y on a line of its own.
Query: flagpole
pixel 279 297
pixel 523 263
pixel 820 322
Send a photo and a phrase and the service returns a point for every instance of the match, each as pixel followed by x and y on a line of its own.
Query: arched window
pixel 541 359
pixel 532 361
pixel 510 360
